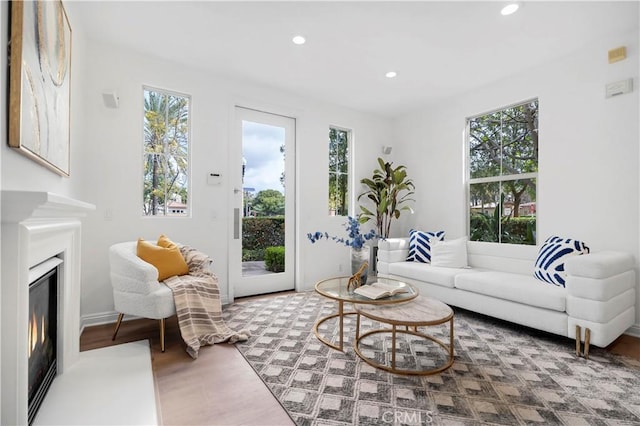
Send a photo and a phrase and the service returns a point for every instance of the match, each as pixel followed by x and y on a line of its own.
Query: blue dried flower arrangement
pixel 355 239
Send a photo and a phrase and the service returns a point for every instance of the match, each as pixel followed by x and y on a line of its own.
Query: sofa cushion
pixel 426 272
pixel 602 288
pixel 598 310
pixel 450 254
pixel 420 245
pixel 514 287
pixel 603 264
pixel 552 256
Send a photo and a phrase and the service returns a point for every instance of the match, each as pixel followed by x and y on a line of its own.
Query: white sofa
pixel 599 296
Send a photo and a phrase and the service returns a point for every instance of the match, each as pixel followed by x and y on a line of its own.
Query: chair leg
pixel 162 334
pixel 578 337
pixel 587 341
pixel 117 326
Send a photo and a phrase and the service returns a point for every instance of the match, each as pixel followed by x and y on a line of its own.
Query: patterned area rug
pixel 503 374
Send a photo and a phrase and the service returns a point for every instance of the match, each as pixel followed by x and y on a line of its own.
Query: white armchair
pixel 136 290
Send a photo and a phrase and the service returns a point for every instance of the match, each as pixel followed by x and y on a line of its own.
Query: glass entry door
pixel 262 235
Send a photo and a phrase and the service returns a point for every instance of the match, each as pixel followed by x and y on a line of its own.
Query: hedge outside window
pixel 503 171
pixel 166 153
pixel 339 171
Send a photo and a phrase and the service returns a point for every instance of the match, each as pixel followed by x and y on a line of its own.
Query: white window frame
pixel 490 179
pixel 350 197
pixel 189 202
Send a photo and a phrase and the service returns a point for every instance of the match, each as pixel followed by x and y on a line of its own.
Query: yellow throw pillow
pixel 168 261
pixel 164 241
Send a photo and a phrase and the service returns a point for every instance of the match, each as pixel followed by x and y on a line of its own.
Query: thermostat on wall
pixel 214 178
pixel 619 88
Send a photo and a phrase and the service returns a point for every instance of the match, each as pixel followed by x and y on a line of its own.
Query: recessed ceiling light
pixel 509 9
pixel 391 74
pixel 299 40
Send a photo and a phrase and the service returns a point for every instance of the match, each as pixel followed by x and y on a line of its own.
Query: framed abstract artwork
pixel 39 83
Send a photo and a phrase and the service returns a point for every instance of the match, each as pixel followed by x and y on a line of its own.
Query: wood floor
pixel 219 388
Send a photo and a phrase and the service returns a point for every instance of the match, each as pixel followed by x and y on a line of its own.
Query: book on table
pixel 379 290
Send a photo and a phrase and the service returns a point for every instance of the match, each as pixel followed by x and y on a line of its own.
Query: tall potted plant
pixel 389 189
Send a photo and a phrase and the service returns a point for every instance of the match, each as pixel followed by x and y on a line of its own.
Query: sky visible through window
pixel 261 151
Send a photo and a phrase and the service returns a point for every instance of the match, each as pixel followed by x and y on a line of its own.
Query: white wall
pixel 4 9
pixel 112 164
pixel 22 173
pixel 588 185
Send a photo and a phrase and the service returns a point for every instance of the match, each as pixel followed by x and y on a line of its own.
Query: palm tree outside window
pixel 166 153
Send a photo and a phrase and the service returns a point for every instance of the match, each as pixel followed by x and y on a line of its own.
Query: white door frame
pixel 239 285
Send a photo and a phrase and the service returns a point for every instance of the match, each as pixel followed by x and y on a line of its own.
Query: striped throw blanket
pixel 197 299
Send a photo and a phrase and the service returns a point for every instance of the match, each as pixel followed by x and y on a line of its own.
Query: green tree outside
pixel 268 202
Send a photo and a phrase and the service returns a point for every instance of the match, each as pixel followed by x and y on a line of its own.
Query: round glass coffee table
pixel 420 312
pixel 336 289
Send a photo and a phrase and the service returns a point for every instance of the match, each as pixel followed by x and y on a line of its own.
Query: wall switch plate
pixel 214 178
pixel 619 88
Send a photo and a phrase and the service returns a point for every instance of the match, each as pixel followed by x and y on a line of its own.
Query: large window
pixel 503 170
pixel 338 171
pixel 166 154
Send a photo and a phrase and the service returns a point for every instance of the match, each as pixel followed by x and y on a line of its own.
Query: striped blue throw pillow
pixel 420 245
pixel 551 258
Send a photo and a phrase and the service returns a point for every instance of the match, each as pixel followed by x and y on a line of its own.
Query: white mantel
pixel 36 226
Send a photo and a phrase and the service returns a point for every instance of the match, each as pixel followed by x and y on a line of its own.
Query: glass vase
pixel 358 257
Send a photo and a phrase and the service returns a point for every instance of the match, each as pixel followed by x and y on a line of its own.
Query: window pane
pixel 503 212
pixel 166 147
pixel 341 193
pixel 520 139
pixel 485 216
pixel 484 145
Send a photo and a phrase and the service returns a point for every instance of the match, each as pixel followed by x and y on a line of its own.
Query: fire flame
pixel 43 336
pixel 36 337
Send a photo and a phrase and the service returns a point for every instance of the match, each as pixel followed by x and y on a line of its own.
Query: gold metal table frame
pixel 336 289
pixel 421 312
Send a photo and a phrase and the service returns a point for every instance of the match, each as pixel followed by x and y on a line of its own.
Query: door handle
pixel 236 223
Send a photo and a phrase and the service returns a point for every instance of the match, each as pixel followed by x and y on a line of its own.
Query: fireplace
pixel 42 333
pixel 37 228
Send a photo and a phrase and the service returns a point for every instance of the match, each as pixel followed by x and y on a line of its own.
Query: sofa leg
pixel 578 337
pixel 587 339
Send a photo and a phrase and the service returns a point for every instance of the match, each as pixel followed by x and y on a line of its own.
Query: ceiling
pixel 438 49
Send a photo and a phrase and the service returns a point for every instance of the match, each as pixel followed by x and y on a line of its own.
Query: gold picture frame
pixel 39 83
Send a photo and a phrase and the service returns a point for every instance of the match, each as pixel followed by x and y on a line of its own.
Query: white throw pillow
pixel 450 254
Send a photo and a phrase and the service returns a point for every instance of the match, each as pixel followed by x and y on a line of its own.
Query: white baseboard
pixel 634 331
pixel 98 319
pixel 112 317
